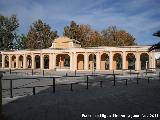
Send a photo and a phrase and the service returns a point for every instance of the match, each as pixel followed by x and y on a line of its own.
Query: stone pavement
pixel 142 99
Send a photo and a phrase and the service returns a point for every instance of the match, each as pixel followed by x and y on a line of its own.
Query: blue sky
pixel 141 18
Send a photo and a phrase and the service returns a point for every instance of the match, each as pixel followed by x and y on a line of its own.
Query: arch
pixel 6 61
pixel 13 61
pixel 37 61
pixel 0 60
pixel 80 62
pixel 46 61
pixel 117 61
pixel 62 61
pixel 130 63
pixel 144 58
pixel 20 63
pixel 29 61
pixel 104 63
pixel 92 62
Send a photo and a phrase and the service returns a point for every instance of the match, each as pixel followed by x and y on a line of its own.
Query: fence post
pixel 43 72
pixel 34 90
pixel 114 79
pixel 53 84
pixel 87 81
pixel 71 87
pixel 66 74
pixel 126 82
pixel 137 78
pixel 148 80
pixel 11 93
pixel 75 72
pixel 101 83
pixel 32 72
pixel 1 75
pixel 146 71
pixel 159 75
pixel 10 71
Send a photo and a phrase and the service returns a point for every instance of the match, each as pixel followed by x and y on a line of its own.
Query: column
pixel 86 61
pixel 98 61
pixel 50 61
pixel 75 61
pixel 3 61
pixel 54 61
pixel 138 61
pixel 24 61
pixel 33 61
pixel 41 61
pixel 71 61
pixel 124 60
pixel 110 60
pixel 10 61
pixel 17 61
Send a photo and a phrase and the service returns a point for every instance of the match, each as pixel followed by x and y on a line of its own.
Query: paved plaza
pixel 131 100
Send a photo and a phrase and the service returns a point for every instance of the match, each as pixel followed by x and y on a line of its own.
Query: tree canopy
pixel 8 29
pixel 39 36
pixel 89 37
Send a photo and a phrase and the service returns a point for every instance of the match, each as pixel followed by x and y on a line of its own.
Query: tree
pixel 39 36
pixel 83 33
pixel 8 28
pixel 117 37
pixel 20 42
pixel 155 46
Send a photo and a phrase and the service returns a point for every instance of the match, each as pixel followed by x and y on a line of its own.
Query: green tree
pixel 117 37
pixel 8 28
pixel 39 36
pixel 20 42
pixel 72 31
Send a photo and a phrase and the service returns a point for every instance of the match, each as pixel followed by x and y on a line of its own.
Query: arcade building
pixel 67 55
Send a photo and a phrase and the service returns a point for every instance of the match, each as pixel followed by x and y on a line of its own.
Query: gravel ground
pixel 107 101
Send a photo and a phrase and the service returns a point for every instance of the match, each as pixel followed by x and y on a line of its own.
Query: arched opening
pixel 29 61
pixel 20 64
pixel 144 57
pixel 13 63
pixel 0 60
pixel 92 62
pixel 46 61
pixel 80 62
pixel 104 62
pixel 37 61
pixel 62 61
pixel 117 61
pixel 6 61
pixel 130 61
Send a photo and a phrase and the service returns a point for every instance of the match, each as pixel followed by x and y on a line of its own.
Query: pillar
pixel 75 61
pixel 33 61
pixel 86 61
pixel 110 60
pixel 124 60
pixel 138 61
pixel 10 61
pixel 98 61
pixel 54 61
pixel 24 61
pixel 41 62
pixel 3 61
pixel 50 61
pixel 17 61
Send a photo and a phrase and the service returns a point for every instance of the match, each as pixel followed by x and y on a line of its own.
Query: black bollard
pixel 32 72
pixel 71 87
pixel 75 72
pixel 87 81
pixel 114 79
pixel 43 72
pixel 54 85
pixel 66 74
pixel 101 84
pixel 10 71
pixel 126 82
pixel 34 90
